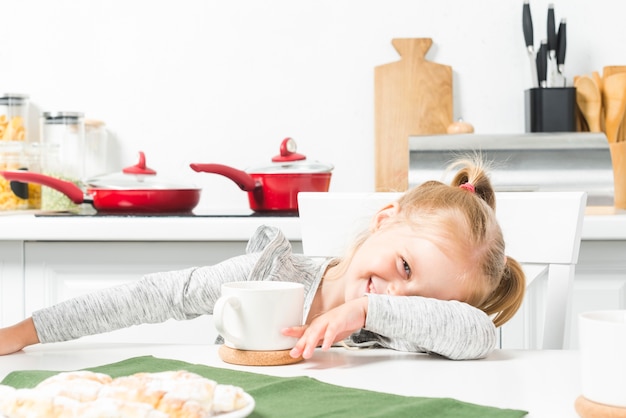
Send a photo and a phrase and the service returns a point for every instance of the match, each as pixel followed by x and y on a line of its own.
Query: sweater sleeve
pixel 183 294
pixel 451 329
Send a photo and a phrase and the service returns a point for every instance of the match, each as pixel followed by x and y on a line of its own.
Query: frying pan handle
pixel 69 189
pixel 241 178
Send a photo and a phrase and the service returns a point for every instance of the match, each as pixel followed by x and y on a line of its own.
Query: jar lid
pixel 62 117
pixel 19 146
pixel 11 146
pixel 94 123
pixel 7 99
pixel 14 151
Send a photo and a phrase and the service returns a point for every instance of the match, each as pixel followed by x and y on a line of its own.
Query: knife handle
pixel 552 42
pixel 542 63
pixel 561 44
pixel 527 25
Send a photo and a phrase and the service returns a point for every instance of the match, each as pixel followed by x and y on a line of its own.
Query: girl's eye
pixel 407 268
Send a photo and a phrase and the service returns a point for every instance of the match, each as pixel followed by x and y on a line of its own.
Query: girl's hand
pixel 328 328
pixel 18 336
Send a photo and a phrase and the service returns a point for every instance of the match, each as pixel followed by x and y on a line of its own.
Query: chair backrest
pixel 539 228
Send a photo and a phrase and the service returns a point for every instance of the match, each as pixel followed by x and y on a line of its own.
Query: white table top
pixel 545 383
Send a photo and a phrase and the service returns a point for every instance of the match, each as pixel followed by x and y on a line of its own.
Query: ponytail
pixel 508 296
pixel 474 173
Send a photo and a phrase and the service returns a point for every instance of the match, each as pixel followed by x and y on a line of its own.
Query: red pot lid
pixel 136 177
pixel 290 162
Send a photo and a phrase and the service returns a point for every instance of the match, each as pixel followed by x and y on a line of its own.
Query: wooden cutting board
pixel 413 96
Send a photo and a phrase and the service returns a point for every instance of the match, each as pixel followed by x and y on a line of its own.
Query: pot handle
pixel 241 178
pixel 68 188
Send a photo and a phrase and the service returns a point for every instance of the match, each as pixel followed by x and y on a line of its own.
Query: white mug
pixel 602 336
pixel 250 315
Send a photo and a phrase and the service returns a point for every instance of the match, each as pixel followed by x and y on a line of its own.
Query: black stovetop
pixel 171 215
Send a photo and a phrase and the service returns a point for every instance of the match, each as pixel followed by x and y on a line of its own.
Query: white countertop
pixel 604 223
pixel 545 383
pixel 601 223
pixel 29 227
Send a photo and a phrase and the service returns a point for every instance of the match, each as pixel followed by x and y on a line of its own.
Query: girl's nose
pixel 392 287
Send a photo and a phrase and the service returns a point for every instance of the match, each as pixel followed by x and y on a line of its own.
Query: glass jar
pixel 17 195
pixel 13 116
pixel 96 148
pixel 63 143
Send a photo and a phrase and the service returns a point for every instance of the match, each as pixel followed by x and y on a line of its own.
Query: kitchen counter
pixel 601 223
pixel 29 227
pixel 604 223
pixel 546 383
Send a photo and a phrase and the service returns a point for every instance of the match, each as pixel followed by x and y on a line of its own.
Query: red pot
pixel 135 190
pixel 275 187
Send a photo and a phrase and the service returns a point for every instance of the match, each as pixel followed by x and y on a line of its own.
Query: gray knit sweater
pixel 451 329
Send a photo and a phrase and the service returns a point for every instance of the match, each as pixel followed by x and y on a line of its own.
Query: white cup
pixel 250 315
pixel 602 337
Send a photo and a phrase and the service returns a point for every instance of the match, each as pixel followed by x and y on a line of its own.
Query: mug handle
pixel 218 317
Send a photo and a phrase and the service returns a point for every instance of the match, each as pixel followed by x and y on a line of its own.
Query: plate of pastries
pixel 88 394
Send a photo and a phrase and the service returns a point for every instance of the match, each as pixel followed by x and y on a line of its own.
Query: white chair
pixel 542 230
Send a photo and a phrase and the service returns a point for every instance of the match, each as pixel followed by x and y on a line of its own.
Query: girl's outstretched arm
pixel 18 336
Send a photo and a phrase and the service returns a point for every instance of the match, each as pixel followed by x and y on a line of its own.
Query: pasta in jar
pixel 15 195
pixel 13 113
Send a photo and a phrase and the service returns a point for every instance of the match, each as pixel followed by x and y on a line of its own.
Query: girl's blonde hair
pixel 462 222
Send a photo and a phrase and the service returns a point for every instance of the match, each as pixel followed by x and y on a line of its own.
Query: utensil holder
pixel 551 109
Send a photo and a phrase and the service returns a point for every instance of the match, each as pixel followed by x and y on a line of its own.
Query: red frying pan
pixel 135 190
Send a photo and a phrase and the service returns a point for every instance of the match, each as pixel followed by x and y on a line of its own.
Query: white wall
pixel 224 81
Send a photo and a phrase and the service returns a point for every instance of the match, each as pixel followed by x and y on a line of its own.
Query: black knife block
pixel 550 109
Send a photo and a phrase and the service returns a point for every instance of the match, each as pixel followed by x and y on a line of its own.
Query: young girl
pixel 430 275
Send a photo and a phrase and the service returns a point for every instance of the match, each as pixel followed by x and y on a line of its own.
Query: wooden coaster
pixel 256 358
pixel 589 409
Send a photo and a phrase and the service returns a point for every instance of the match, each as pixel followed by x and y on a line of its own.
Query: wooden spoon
pixel 589 100
pixel 598 79
pixel 608 71
pixel 599 82
pixel 581 123
pixel 614 98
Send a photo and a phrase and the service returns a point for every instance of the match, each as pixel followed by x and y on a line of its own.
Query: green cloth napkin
pixel 293 396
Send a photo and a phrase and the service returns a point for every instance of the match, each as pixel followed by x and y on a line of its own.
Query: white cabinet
pixel 11 282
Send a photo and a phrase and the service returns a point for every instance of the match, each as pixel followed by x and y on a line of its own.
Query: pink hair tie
pixel 468 186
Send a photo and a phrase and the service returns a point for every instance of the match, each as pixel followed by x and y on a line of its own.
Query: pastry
pixel 27 403
pixel 82 386
pixel 84 394
pixel 228 398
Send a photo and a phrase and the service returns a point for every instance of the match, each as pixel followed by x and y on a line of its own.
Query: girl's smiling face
pixel 394 260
